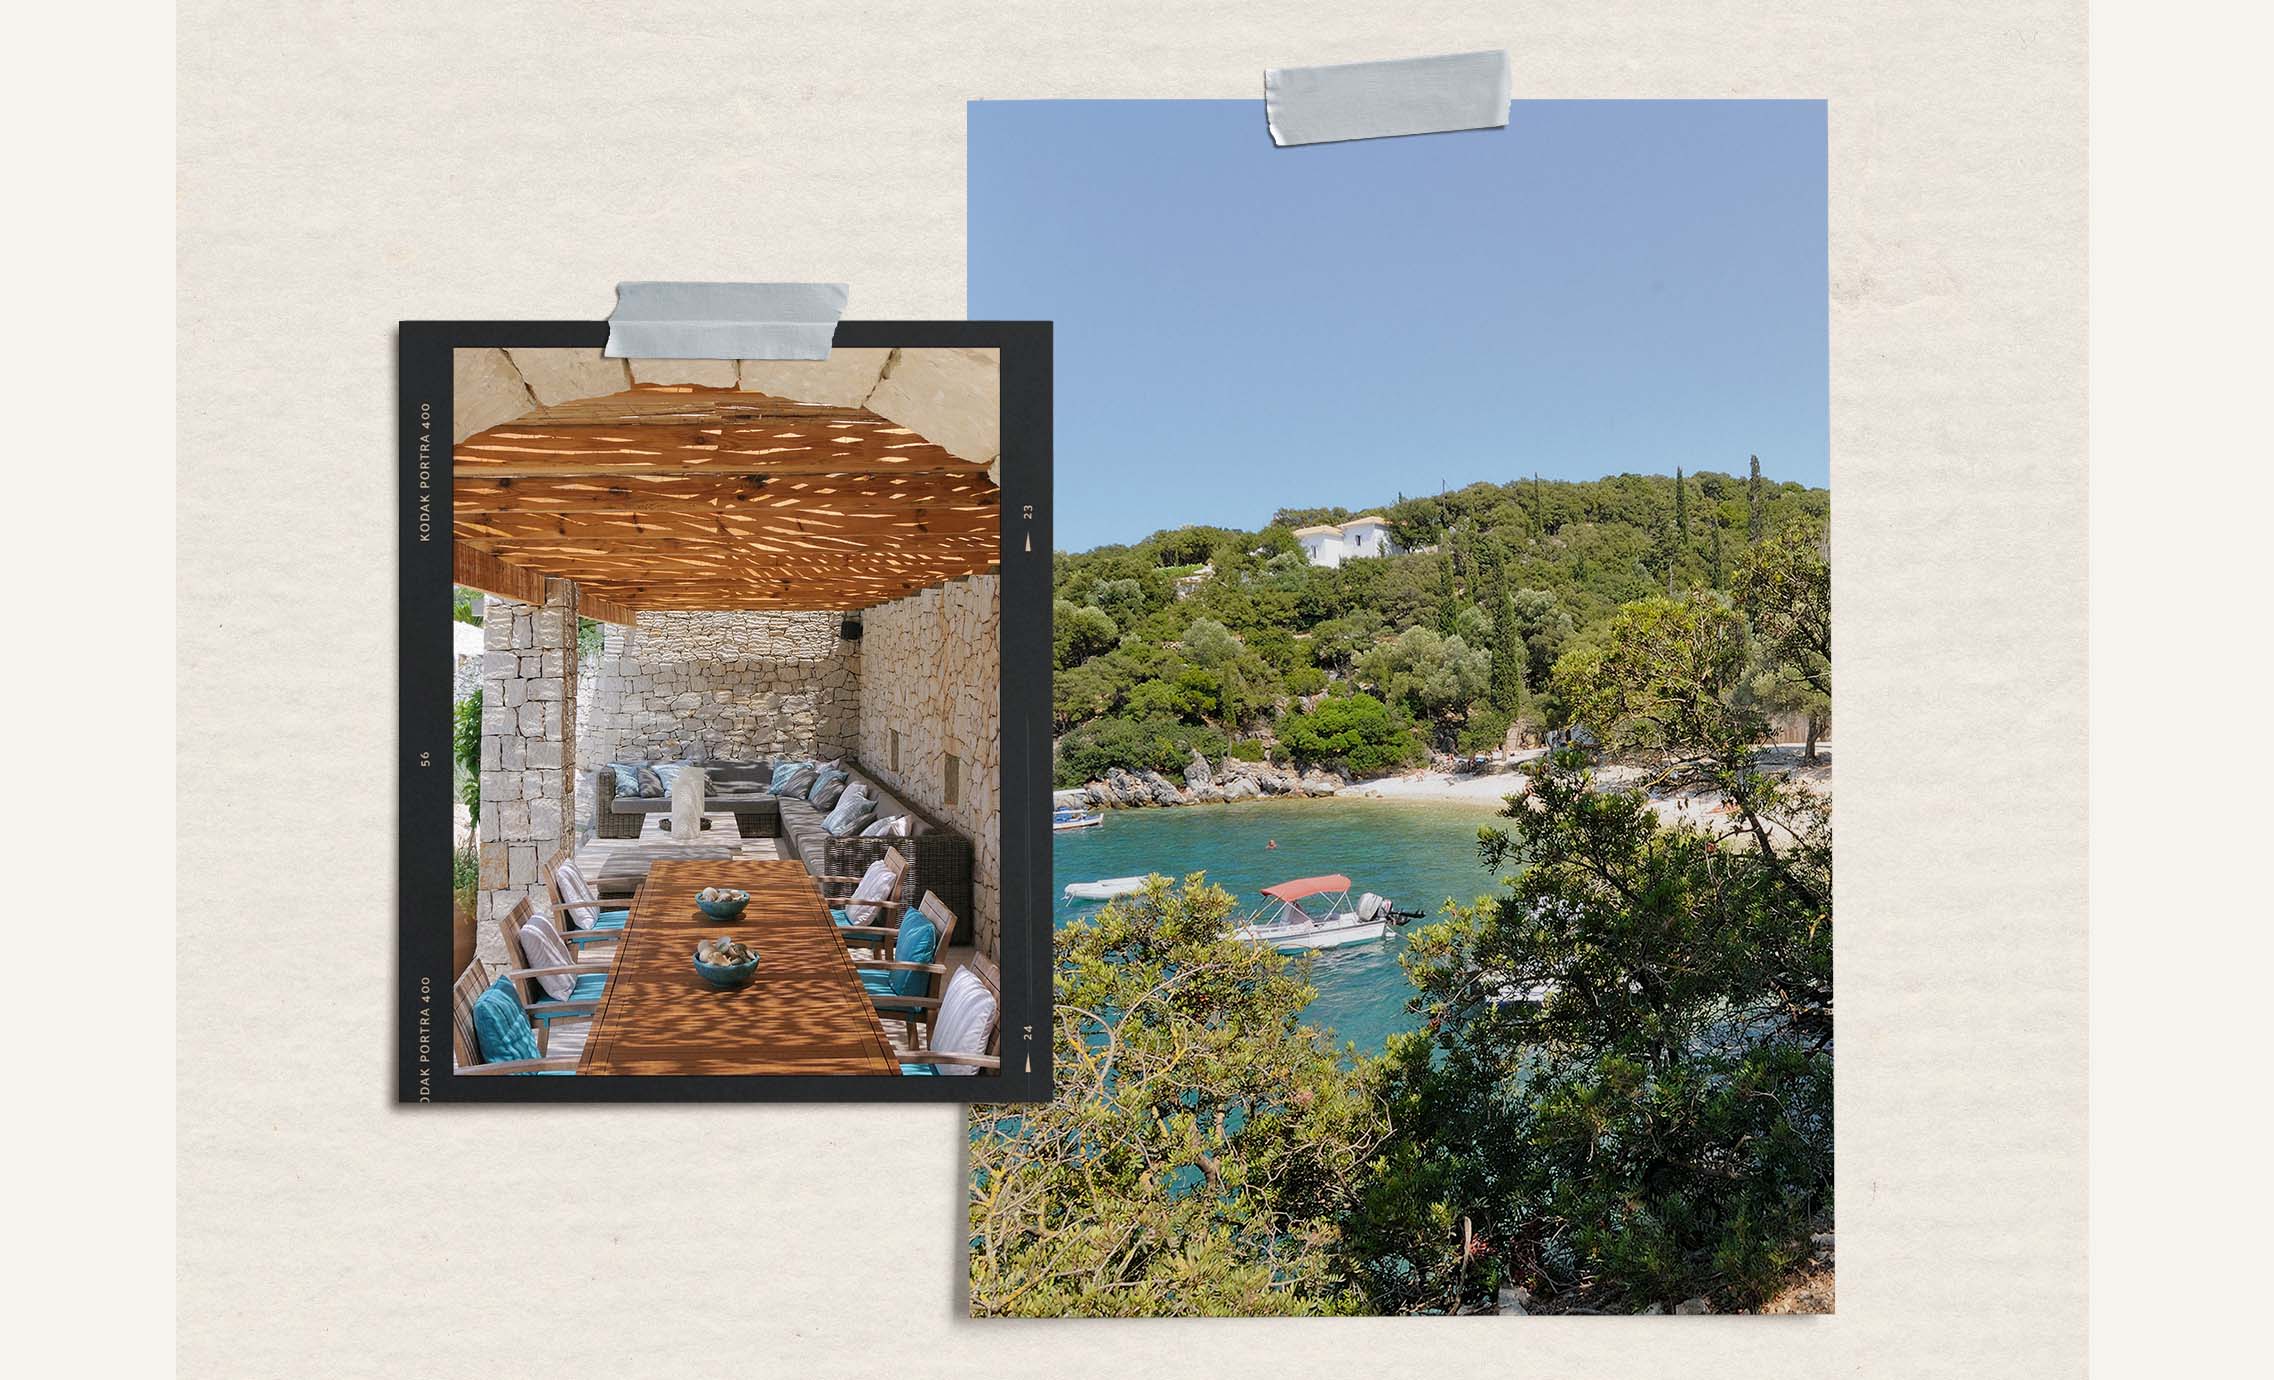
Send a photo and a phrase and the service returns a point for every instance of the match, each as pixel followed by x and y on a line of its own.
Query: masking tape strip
pixel 724 320
pixel 1381 100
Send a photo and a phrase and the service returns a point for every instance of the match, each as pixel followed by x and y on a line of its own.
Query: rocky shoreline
pixel 1228 781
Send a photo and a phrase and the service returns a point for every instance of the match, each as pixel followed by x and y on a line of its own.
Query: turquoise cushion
pixel 589 987
pixel 605 920
pixel 918 1071
pixel 783 771
pixel 843 920
pixel 918 942
pixel 500 1030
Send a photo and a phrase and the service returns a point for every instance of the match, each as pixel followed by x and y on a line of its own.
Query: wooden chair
pixel 580 921
pixel 896 986
pixel 466 1050
pixel 925 1025
pixel 541 1006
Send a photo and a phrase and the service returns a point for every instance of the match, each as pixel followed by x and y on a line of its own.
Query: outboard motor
pixel 1370 907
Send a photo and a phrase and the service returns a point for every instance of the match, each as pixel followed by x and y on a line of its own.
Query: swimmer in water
pixel 1271 843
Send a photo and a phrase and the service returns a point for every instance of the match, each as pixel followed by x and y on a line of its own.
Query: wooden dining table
pixel 805 1012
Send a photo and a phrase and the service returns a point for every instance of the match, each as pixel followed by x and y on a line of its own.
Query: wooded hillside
pixel 1231 642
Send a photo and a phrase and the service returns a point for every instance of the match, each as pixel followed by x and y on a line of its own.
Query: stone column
pixel 528 753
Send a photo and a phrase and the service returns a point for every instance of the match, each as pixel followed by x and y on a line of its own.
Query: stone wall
pixel 933 675
pixel 718 686
pixel 529 712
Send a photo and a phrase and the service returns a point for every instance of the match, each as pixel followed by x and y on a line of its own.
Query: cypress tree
pixel 1507 691
pixel 1714 552
pixel 1681 509
pixel 1448 606
pixel 1753 504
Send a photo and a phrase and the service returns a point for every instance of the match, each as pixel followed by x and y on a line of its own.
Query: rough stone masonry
pixel 529 703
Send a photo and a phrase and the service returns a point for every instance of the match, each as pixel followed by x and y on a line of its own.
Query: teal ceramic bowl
pixel 728 975
pixel 724 909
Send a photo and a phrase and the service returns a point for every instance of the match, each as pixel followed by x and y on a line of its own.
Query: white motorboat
pixel 1064 819
pixel 1105 889
pixel 1316 913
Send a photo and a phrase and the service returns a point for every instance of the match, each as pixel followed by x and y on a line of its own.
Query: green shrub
pixel 1245 749
pixel 1356 732
pixel 466 746
pixel 1156 743
pixel 465 874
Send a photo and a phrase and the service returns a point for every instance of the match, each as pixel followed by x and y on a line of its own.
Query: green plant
pixel 1651 1118
pixel 1153 743
pixel 465 874
pixel 466 750
pixel 1356 732
pixel 1200 1147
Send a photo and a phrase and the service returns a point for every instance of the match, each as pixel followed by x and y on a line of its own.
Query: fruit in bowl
pixel 721 902
pixel 725 962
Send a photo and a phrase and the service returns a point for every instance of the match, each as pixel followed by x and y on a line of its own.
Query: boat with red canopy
pixel 1316 913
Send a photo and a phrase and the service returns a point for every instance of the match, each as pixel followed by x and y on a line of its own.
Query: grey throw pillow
pixel 852 812
pixel 651 783
pixel 633 779
pixel 826 795
pixel 798 784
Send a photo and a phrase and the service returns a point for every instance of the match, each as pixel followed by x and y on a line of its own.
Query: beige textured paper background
pixel 343 167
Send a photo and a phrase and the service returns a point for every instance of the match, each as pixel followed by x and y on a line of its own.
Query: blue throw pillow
pixel 783 771
pixel 825 796
pixel 823 779
pixel 667 772
pixel 500 1030
pixel 627 776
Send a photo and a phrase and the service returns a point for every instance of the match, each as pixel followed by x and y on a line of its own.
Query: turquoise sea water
pixel 1414 852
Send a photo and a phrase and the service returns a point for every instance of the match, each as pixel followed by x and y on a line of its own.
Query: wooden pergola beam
pixel 602 609
pixel 477 569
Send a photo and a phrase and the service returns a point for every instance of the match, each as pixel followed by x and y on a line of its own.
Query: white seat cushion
pixel 876 885
pixel 966 1019
pixel 544 949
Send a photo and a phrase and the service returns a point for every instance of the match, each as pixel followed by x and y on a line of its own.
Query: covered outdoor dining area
pixel 738 715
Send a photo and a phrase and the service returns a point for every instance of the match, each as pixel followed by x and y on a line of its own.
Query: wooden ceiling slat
pixel 755 501
pixel 686 497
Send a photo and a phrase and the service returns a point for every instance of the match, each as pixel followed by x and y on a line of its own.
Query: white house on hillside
pixel 1361 536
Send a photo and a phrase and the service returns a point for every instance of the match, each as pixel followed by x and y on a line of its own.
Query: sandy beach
pixel 1489 788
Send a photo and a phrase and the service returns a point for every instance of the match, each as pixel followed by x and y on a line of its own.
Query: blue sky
pixel 1601 287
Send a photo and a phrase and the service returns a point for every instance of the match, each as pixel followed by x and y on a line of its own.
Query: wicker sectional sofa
pixel 739 787
pixel 939 858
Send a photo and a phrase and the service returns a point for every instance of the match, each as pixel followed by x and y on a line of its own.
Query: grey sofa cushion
pixel 741 778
